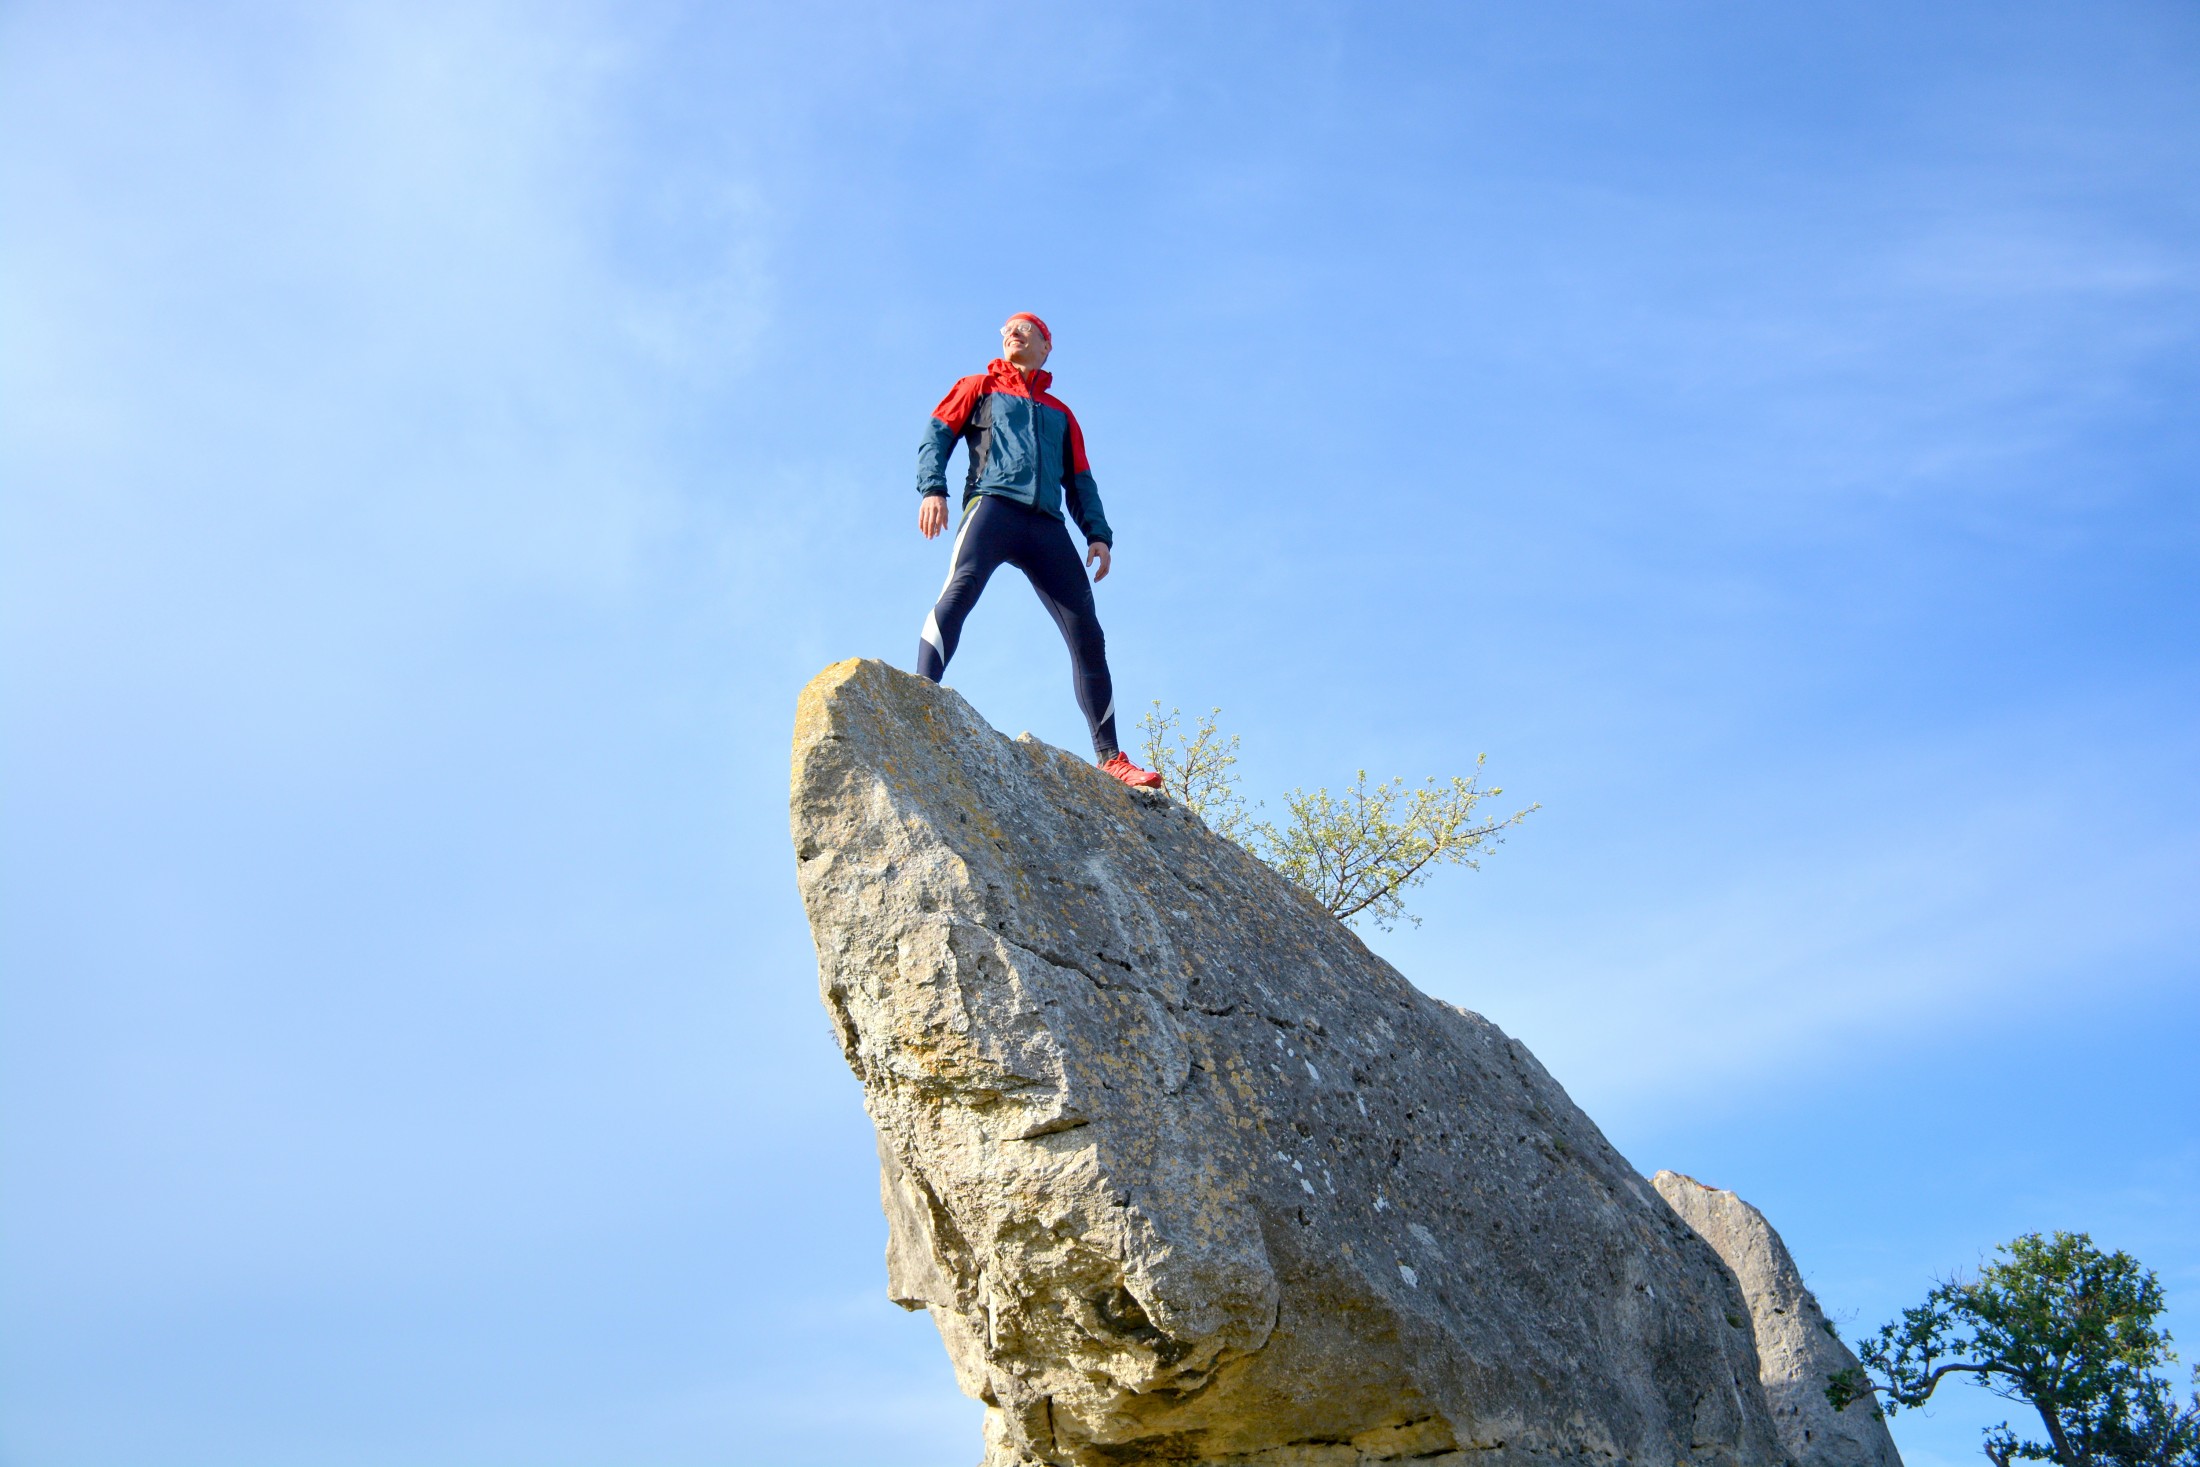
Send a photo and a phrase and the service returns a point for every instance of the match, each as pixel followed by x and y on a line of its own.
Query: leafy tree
pixel 1359 852
pixel 1195 769
pixel 2059 1325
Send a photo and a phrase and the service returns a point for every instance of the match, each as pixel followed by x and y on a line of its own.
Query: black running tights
pixel 996 531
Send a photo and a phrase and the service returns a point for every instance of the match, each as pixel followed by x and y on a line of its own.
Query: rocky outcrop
pixel 1796 1346
pixel 1185 1174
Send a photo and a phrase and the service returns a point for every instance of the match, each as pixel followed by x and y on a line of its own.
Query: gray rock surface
pixel 1796 1347
pixel 1185 1174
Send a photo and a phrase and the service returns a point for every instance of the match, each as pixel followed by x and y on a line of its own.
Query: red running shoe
pixel 1119 764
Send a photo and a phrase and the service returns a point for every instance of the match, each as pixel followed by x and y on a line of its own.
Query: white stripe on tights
pixel 931 634
pixel 955 556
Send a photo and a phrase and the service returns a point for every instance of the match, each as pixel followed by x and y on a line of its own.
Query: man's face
pixel 1024 345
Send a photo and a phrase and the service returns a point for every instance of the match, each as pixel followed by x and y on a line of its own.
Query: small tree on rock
pixel 1195 768
pixel 1359 852
pixel 2059 1325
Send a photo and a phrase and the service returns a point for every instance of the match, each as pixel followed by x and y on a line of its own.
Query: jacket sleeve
pixel 1081 492
pixel 940 433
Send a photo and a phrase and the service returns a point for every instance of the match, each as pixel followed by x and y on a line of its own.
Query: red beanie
pixel 1034 320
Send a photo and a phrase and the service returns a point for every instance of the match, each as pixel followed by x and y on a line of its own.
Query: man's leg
pixel 977 554
pixel 1050 560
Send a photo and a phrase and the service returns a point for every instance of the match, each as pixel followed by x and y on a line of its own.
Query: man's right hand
pixel 931 515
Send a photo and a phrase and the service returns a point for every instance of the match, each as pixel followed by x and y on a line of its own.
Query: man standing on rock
pixel 1027 455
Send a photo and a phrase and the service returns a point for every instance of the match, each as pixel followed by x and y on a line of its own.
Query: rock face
pixel 1185 1174
pixel 1796 1347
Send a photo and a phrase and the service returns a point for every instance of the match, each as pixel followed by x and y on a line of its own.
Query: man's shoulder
pixel 961 400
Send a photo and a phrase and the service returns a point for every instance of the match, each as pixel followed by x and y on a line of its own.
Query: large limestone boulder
pixel 1796 1346
pixel 1185 1174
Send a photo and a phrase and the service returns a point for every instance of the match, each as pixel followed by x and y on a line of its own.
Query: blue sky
pixel 438 441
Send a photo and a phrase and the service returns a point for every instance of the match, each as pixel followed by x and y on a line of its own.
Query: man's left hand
pixel 1098 551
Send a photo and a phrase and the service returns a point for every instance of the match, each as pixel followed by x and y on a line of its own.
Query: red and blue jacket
pixel 1025 445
